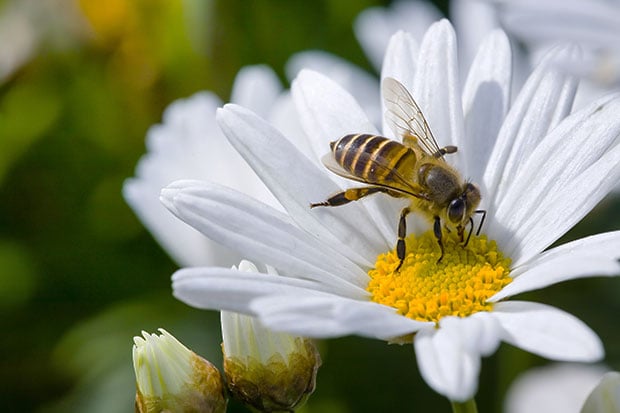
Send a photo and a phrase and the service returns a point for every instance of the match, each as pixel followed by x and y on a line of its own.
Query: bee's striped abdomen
pixel 371 157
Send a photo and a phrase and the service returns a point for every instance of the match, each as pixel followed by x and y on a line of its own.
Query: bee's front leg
pixel 438 235
pixel 402 233
pixel 460 230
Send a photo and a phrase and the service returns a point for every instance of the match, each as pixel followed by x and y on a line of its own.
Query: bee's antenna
pixel 446 149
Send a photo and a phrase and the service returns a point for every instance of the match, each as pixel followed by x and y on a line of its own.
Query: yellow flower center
pixel 427 290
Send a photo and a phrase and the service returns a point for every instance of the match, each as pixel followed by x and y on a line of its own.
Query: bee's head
pixel 462 208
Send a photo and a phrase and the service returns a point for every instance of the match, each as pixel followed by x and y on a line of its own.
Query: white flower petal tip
pixel 439 33
pixel 446 363
pixel 547 331
pixel 361 84
pixel 264 234
pixel 400 61
pixel 326 109
pixel 449 357
pixel 168 195
pixel 437 86
pixel 247 266
pixel 441 28
pixel 486 100
pixel 232 290
pixel 256 87
pixel 223 114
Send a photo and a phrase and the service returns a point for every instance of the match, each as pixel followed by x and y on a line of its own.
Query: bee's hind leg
pixel 351 194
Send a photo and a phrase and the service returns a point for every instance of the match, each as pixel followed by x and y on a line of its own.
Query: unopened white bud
pixel 172 378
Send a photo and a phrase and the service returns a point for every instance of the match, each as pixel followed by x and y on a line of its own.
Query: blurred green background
pixel 80 276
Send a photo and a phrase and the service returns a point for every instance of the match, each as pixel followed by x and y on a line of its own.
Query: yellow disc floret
pixel 426 290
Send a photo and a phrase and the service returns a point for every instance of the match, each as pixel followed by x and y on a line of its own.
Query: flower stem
pixel 465 407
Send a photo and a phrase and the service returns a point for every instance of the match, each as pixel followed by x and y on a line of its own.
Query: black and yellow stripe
pixel 371 157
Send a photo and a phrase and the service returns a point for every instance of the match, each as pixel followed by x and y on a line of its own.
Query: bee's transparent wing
pixel 406 119
pixel 331 164
pixel 395 183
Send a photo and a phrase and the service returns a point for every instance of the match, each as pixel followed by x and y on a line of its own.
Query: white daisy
pixel 540 171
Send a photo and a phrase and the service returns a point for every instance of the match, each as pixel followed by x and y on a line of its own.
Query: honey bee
pixel 414 169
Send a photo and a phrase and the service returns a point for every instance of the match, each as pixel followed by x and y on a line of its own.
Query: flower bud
pixel 172 378
pixel 266 370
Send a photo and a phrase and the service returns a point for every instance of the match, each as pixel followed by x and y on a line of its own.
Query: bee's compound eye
pixel 456 210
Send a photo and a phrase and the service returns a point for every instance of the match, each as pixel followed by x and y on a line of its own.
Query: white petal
pixel 188 145
pixel 547 331
pixel 400 62
pixel 479 332
pixel 588 257
pixel 544 100
pixel 297 182
pixel 361 84
pixel 593 23
pixel 473 21
pixel 606 244
pixel 486 98
pixel 284 117
pixel 564 178
pixel 375 25
pixel 325 315
pixel 437 88
pixel 606 396
pixel 287 304
pixel 401 59
pixel 214 288
pixel 184 244
pixel 446 364
pixel 262 234
pixel 327 111
pixel 554 388
pixel 256 88
pixel 560 269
